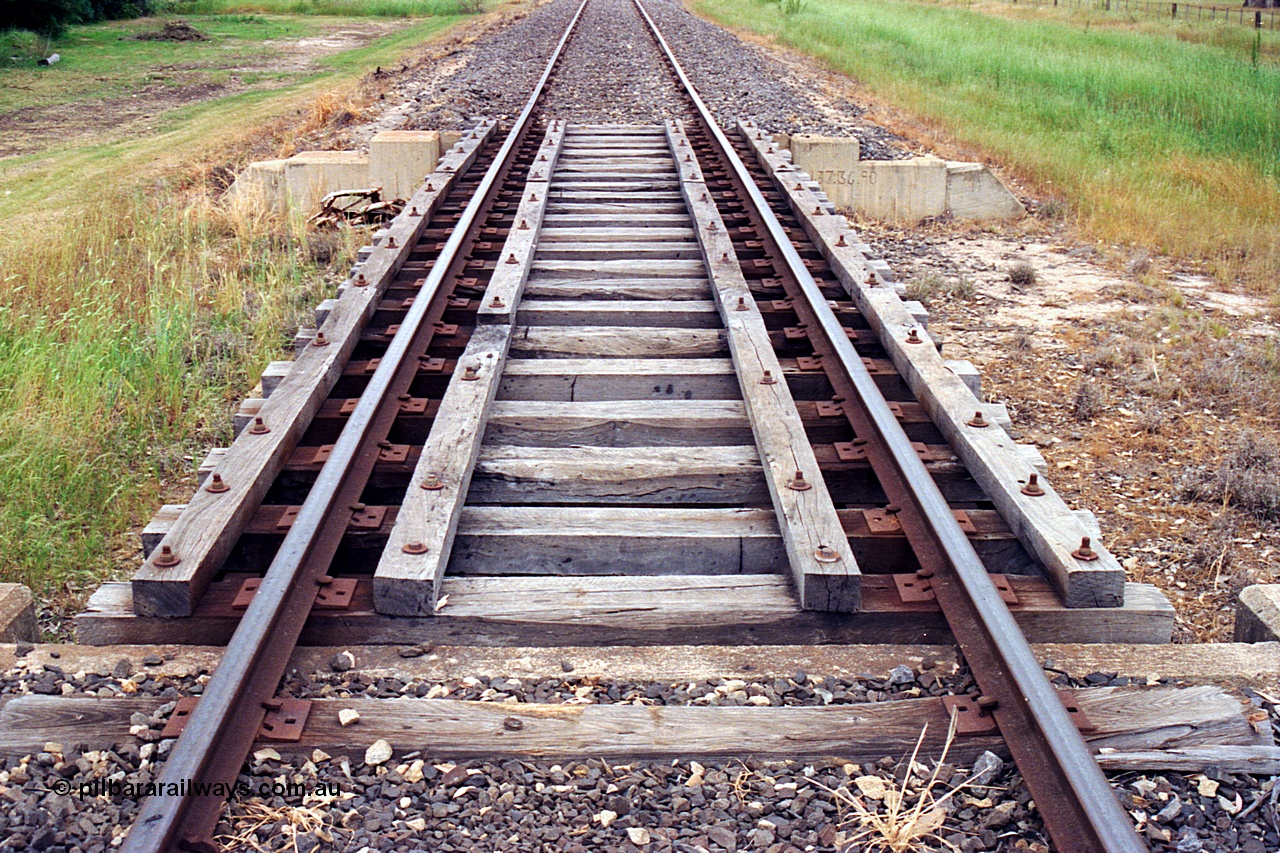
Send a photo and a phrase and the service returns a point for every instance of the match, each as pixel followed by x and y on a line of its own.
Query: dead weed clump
pixel 1022 274
pixel 1247 477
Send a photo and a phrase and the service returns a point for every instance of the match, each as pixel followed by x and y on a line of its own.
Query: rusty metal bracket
pixel 285 719
pixel 1007 595
pixel 882 522
pixel 848 451
pixel 414 406
pixel 795 333
pixel 366 517
pixel 966 524
pixel 431 365
pixel 446 330
pixel 287 518
pixel 1078 716
pixel 394 453
pixel 178 719
pixel 348 406
pixel 335 594
pixel 322 453
pixel 913 589
pixel 829 409
pixel 780 304
pixel 971 717
pixel 809 363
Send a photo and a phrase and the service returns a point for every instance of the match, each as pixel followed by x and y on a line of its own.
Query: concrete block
pixel 1258 614
pixel 17 614
pixel 901 190
pixel 833 163
pixel 974 193
pixel 400 160
pixel 261 183
pixel 968 374
pixel 311 175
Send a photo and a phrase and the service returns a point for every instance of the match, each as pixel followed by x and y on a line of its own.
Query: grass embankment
pixel 135 307
pixel 351 8
pixel 1156 135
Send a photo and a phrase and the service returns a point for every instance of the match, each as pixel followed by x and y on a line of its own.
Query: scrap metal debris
pixel 355 207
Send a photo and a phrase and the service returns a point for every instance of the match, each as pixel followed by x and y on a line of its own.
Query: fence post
pixel 1257 20
pixel 1175 10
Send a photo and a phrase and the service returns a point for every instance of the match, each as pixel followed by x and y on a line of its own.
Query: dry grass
pixel 903 814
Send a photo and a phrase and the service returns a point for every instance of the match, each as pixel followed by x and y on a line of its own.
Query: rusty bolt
pixel 536 178
pixel 742 303
pixel 1032 487
pixel 1084 552
pixel 217 485
pixel 430 188
pixel 497 302
pixel 385 445
pixel 768 379
pixel 413 211
pixel 357 507
pixel 724 256
pixel 470 374
pixel 913 337
pixel 511 258
pixel 841 242
pixel 711 226
pixel 404 398
pixel 799 483
pixel 166 557
pixel 320 340
pixel 683 142
pixel 324 580
pixel 977 420
pixel 924 573
pixel 259 427
pixel 272 704
pixel 688 159
pixel 414 547
pixel 988 703
pixel 893 509
pixel 826 554
pixel 799 186
pixel 361 281
pixel 770 151
pixel 705 197
pixel 533 196
pixel 542 158
pixel 524 225
pixel 431 482
pixel 817 210
pixel 391 241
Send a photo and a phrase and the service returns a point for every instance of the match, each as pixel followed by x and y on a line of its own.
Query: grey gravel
pixel 414 801
pixel 612 71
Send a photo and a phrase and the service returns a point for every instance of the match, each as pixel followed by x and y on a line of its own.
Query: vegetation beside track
pixel 1156 135
pixel 136 307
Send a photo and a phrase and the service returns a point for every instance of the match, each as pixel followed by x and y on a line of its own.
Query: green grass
pixel 135 307
pixel 345 8
pixel 1154 138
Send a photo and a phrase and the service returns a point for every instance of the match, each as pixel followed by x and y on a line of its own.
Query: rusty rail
pixel 225 722
pixel 1079 807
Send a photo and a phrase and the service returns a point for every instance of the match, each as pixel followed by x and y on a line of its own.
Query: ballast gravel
pixel 612 71
pixel 377 799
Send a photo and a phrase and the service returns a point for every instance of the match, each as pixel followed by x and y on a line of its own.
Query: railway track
pixel 625 384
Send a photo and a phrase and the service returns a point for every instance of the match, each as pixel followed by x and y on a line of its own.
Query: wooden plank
pixel 619 475
pixel 1045 524
pixel 506 287
pixel 572 379
pixel 675 610
pixel 822 563
pixel 543 287
pixel 625 233
pixel 407 580
pixel 1126 720
pixel 643 250
pixel 523 540
pixel 206 533
pixel 618 423
pixel 558 540
pixel 627 342
pixel 666 313
pixel 622 268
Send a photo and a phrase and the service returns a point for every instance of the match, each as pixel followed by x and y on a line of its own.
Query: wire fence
pixel 1252 16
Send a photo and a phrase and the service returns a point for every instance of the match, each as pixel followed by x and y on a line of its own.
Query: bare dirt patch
pixel 1150 393
pixel 278 63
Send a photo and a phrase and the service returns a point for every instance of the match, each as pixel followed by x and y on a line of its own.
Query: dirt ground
pixel 1123 379
pixel 140 112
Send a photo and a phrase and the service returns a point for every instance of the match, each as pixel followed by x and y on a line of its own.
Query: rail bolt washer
pixel 1085 552
pixel 166 558
pixel 826 554
pixel 1032 487
pixel 977 421
pixel 799 483
pixel 259 427
pixel 414 547
pixel 217 485
pixel 432 483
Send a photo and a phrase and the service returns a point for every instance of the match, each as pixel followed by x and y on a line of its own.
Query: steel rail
pixel 225 723
pixel 1079 807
